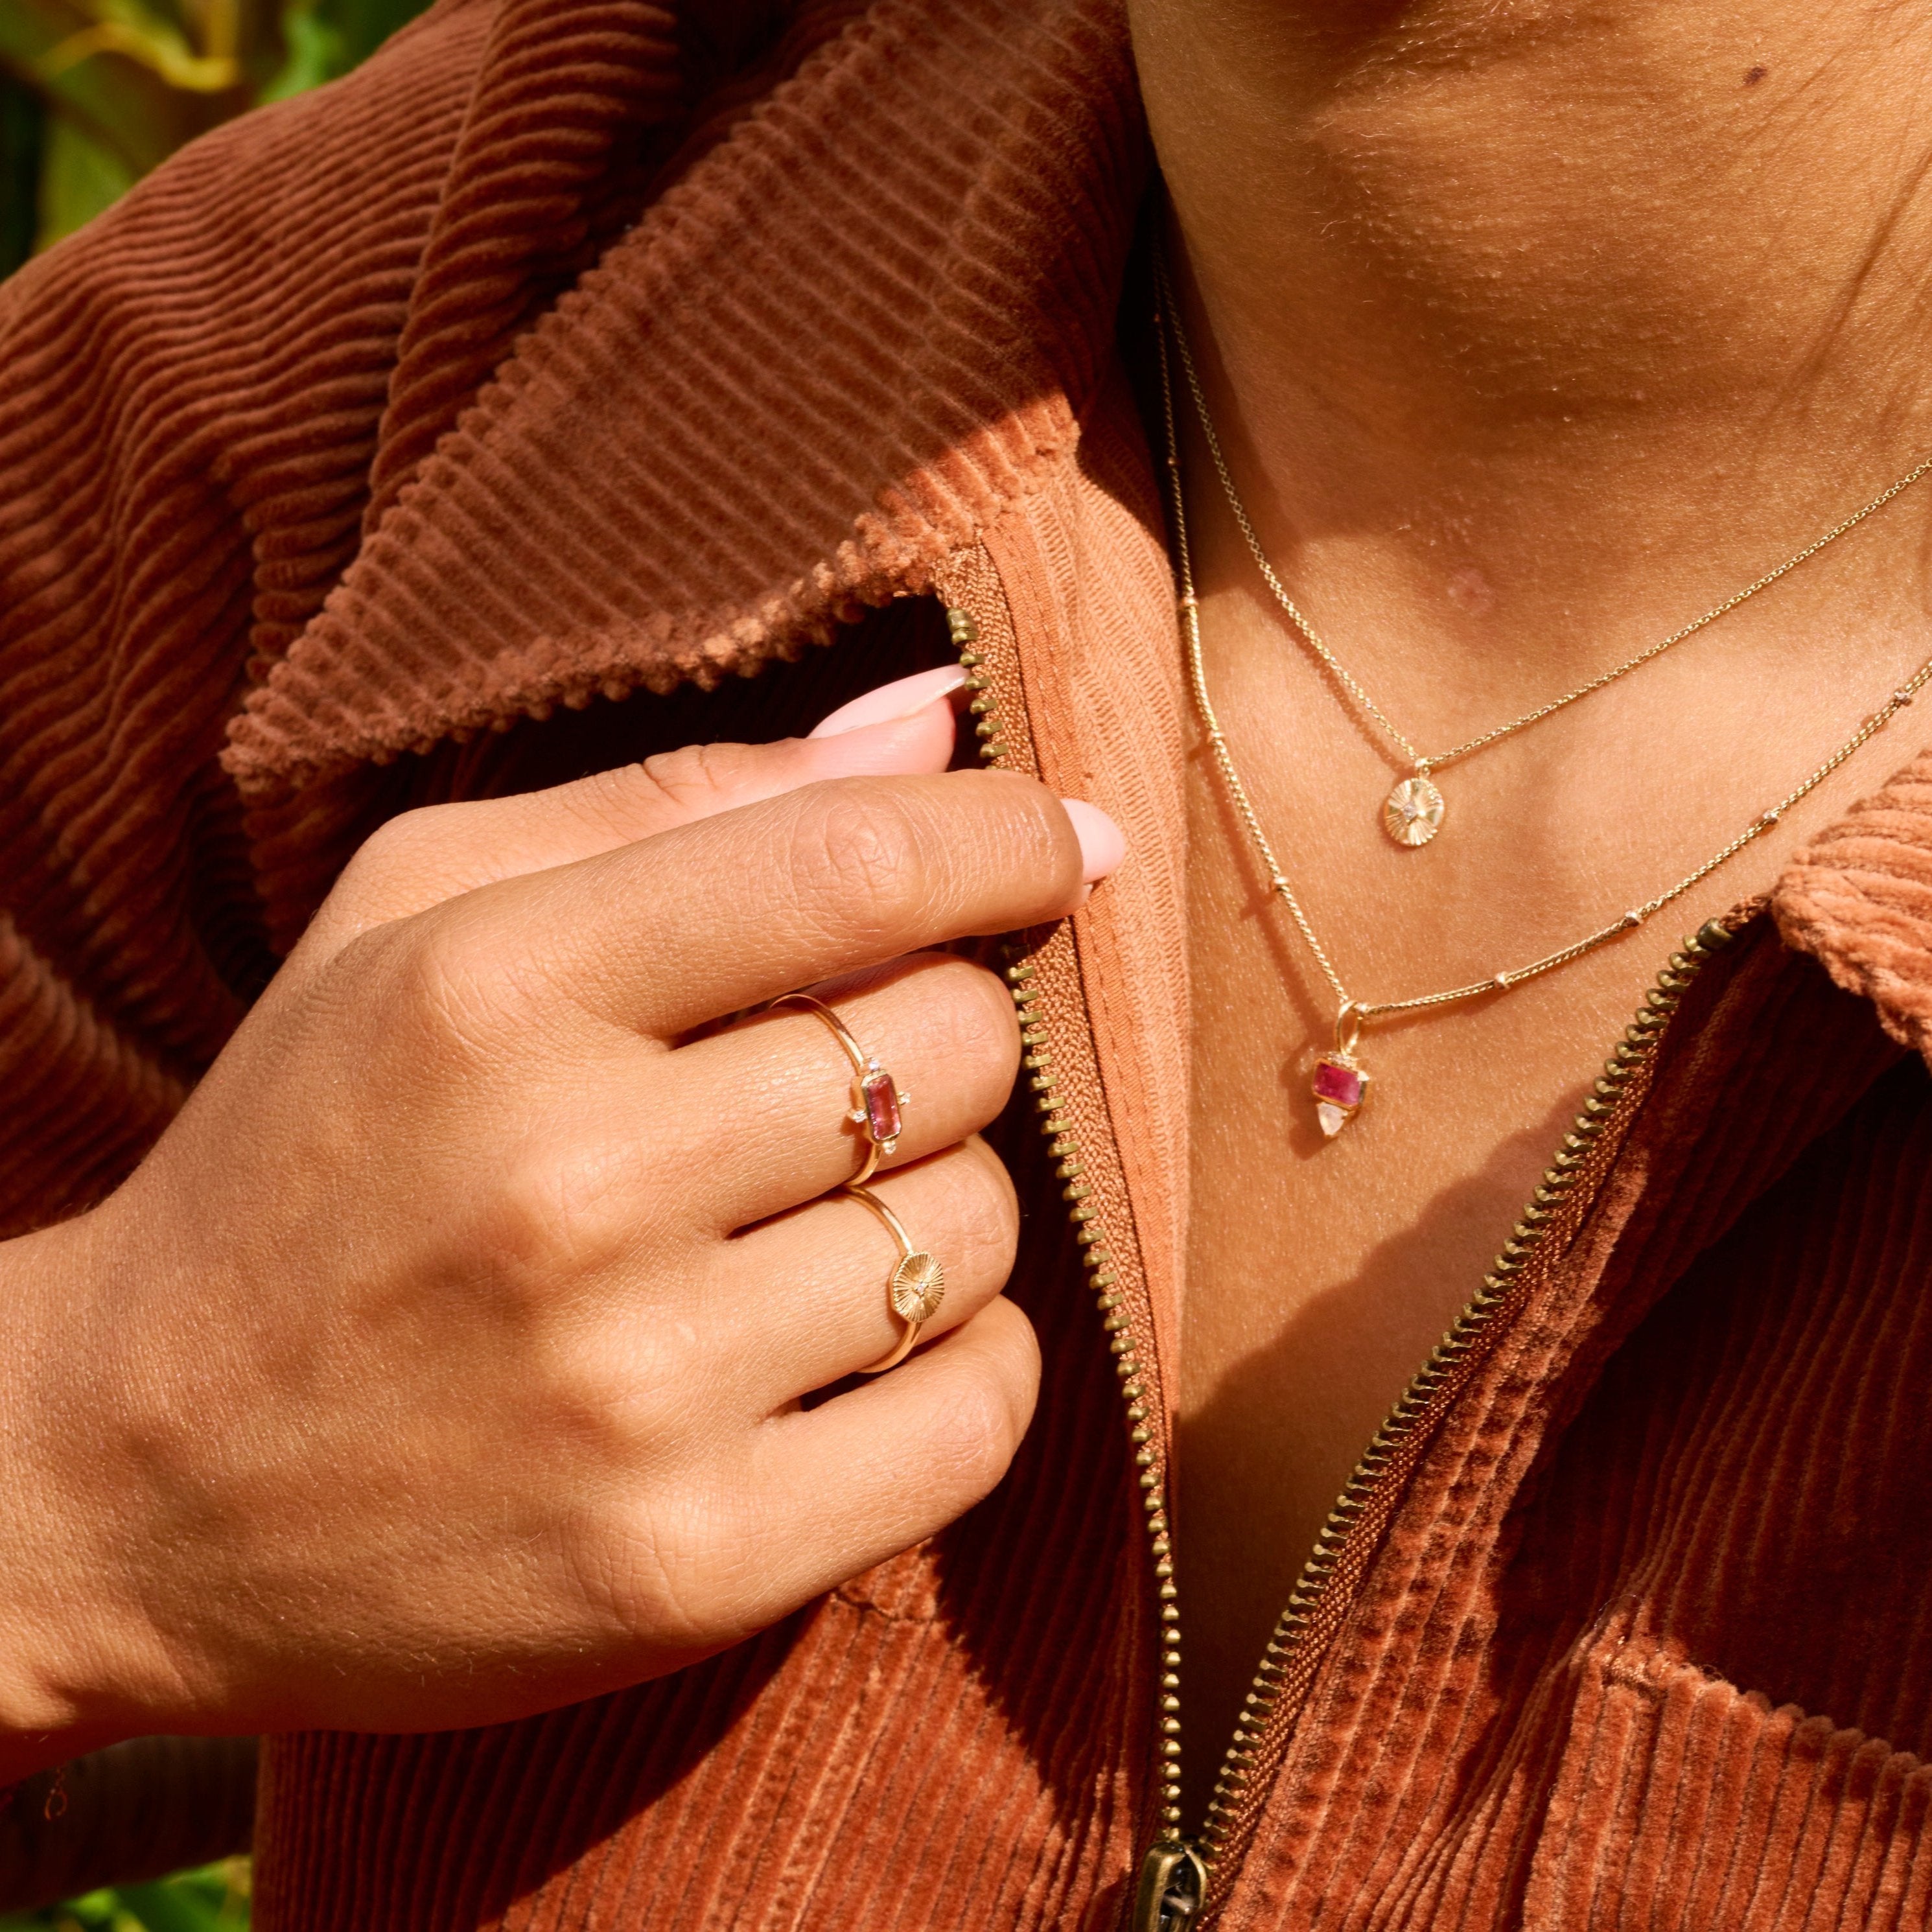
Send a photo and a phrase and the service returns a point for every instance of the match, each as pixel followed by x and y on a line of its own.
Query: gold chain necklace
pixel 1413 812
pixel 1340 1082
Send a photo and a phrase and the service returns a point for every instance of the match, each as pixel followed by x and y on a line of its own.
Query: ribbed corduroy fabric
pixel 577 352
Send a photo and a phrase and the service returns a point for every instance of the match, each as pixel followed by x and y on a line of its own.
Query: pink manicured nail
pixel 904 698
pixel 1102 845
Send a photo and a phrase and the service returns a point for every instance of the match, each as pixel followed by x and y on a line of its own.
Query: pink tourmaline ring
pixel 876 1097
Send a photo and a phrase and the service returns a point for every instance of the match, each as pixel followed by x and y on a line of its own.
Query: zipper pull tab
pixel 1173 1888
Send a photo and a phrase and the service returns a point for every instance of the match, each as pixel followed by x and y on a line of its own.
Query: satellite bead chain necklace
pixel 1340 1084
pixel 1412 813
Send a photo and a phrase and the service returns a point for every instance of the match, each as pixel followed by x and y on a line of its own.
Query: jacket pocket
pixel 1685 1804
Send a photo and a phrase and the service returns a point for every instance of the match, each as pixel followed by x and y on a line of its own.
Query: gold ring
pixel 915 1288
pixel 876 1097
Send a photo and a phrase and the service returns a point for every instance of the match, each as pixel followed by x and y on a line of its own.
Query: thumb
pixel 423 857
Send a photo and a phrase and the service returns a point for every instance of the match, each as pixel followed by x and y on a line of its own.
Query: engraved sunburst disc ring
pixel 1412 812
pixel 917 1288
pixel 914 1289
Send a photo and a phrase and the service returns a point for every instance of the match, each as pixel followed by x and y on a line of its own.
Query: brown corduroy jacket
pixel 574 352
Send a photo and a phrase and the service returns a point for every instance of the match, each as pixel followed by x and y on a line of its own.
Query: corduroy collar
pixel 1859 898
pixel 862 327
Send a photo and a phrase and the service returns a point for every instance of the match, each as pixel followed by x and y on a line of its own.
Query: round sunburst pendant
pixel 1412 812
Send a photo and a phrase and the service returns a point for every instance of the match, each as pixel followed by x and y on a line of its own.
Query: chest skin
pixel 1321 1272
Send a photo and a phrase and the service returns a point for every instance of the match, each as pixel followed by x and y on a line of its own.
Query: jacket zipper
pixel 1325 1590
pixel 1184 1879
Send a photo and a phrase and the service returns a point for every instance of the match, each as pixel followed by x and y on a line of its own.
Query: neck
pixel 1507 305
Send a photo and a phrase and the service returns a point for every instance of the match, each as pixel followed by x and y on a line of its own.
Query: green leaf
pixel 364 25
pixel 316 52
pixel 174 1907
pixel 80 176
pixel 108 70
pixel 213 1899
pixel 106 89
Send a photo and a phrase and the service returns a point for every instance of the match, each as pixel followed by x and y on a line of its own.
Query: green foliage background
pixel 214 1899
pixel 93 93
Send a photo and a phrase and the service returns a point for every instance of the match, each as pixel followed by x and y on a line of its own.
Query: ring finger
pixel 807 1296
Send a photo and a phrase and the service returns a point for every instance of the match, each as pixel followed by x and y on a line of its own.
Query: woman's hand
pixel 443 1362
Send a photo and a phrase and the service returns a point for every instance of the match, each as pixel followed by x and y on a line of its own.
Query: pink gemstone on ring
pixel 1342 1085
pixel 881 1101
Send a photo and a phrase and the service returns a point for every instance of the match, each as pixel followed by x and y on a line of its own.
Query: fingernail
pixel 904 698
pixel 1102 844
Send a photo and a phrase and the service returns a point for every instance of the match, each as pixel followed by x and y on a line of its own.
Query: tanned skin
pixel 443 1362
pixel 431 1370
pixel 1533 330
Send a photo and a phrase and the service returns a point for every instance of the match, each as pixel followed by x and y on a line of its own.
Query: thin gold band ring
pixel 915 1288
pixel 876 1097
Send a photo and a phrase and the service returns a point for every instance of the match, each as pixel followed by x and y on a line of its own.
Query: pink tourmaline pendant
pixel 880 1100
pixel 1340 1087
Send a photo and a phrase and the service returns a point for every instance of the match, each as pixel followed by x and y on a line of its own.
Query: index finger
pixel 708 919
pixel 437 852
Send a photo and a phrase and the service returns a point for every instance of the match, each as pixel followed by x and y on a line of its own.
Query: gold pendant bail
pixel 1348 1029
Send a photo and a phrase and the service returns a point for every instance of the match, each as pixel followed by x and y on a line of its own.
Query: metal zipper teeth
pixel 1288 1664
pixel 1289 1660
pixel 1037 1067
